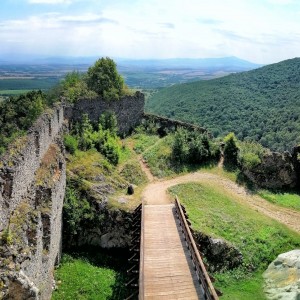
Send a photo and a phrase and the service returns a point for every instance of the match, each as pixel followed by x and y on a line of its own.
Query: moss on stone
pixel 48 171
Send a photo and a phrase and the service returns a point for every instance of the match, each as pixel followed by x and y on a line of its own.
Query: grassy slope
pixel 263 104
pixel 91 164
pixel 158 158
pixel 260 239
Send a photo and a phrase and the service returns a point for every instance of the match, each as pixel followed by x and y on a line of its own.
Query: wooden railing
pixel 134 260
pixel 204 279
pixel 141 277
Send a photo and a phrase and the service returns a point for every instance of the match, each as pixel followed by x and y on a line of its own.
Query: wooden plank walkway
pixel 166 265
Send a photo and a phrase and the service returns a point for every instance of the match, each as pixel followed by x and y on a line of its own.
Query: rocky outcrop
pixel 282 278
pixel 108 228
pixel 296 163
pixel 276 171
pixel 220 254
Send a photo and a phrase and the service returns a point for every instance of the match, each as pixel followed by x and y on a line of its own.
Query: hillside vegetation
pixel 261 105
pixel 218 213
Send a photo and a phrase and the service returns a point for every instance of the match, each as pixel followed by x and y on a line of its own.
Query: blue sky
pixel 262 31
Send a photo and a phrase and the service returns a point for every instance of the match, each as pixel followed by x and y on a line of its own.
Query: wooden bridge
pixel 167 258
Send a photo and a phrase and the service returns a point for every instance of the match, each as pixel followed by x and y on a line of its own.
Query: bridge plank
pixel 167 269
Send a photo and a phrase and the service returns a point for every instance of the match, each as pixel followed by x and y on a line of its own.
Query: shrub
pixel 250 160
pixel 76 210
pixel 250 154
pixel 180 148
pixel 193 147
pixel 71 143
pixel 230 150
pixel 111 149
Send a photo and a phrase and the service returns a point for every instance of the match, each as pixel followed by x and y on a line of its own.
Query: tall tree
pixel 104 79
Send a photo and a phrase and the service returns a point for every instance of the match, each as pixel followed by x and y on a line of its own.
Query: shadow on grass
pixel 115 259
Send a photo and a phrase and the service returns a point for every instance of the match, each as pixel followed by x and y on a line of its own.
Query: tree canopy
pixel 104 79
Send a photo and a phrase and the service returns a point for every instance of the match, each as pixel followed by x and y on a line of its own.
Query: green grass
pixel 126 153
pixel 158 158
pixel 13 92
pixel 133 173
pixel 28 84
pixel 90 275
pixel 161 164
pixel 260 239
pixel 143 141
pixel 213 169
pixel 289 200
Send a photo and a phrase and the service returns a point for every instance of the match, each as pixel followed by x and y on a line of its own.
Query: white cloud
pixel 281 2
pixel 254 30
pixel 50 1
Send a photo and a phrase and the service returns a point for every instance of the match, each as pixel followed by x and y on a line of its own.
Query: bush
pixel 193 147
pixel 71 143
pixel 76 210
pixel 230 151
pixel 105 139
pixel 250 160
pixel 250 154
pixel 111 149
pixel 180 148
pixel 17 114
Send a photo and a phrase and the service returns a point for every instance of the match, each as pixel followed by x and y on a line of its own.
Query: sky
pixel 261 31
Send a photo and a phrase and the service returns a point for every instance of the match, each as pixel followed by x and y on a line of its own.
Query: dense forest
pixel 261 105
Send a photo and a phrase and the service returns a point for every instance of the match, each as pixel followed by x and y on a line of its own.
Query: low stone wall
pixel 114 230
pixel 165 125
pixel 219 254
pixel 129 110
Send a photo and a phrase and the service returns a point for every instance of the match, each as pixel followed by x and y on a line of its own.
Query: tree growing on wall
pixel 104 79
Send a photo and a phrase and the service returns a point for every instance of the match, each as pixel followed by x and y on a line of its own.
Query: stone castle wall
pixel 32 189
pixel 129 110
pixel 35 232
pixel 31 213
pixel 19 165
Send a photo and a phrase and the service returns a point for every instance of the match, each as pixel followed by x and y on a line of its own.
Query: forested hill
pixel 262 104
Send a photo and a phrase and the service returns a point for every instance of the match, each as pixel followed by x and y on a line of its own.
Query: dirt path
pixel 146 169
pixel 156 193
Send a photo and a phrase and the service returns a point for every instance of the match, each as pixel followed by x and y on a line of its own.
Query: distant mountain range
pixel 230 63
pixel 149 73
pixel 262 104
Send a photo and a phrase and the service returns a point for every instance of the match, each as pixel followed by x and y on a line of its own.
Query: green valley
pixel 261 105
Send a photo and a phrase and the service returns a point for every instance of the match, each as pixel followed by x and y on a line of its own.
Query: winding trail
pixel 155 193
